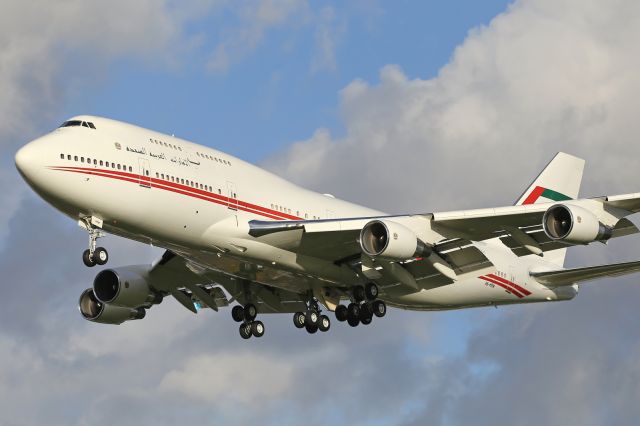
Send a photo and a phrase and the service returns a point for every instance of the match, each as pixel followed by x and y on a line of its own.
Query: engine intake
pixel 390 240
pixel 574 224
pixel 94 310
pixel 124 287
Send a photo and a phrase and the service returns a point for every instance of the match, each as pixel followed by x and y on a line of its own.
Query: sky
pixel 401 106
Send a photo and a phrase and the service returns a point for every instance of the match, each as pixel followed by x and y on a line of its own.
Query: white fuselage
pixel 197 202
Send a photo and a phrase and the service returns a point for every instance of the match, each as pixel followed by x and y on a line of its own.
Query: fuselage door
pixel 232 195
pixel 145 173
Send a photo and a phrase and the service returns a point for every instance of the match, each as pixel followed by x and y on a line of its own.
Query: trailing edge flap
pixel 564 277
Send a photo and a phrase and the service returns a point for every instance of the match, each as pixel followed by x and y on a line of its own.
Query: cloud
pixel 328 32
pixel 252 21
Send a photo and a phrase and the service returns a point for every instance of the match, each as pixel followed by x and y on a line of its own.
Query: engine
pixel 574 224
pixel 390 240
pixel 124 287
pixel 94 310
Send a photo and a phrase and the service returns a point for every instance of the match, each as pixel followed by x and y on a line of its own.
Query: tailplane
pixel 559 181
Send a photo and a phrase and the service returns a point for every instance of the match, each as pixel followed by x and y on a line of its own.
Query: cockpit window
pixel 72 123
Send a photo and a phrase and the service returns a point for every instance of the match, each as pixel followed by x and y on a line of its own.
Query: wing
pixel 195 286
pixel 571 276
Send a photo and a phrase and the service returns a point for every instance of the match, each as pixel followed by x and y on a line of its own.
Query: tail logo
pixel 550 194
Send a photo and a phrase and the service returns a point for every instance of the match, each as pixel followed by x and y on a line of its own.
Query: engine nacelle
pixel 124 287
pixel 390 240
pixel 94 310
pixel 574 224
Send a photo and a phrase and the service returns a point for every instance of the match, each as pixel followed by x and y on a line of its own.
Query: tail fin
pixel 559 181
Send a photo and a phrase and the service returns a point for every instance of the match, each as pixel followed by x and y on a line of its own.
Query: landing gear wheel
pixel 299 319
pixel 250 312
pixel 366 321
pixel 353 311
pixel 311 328
pixel 341 313
pixel 371 291
pixel 245 330
pixel 237 313
pixel 324 324
pixel 353 322
pixel 87 259
pixel 379 308
pixel 311 318
pixel 257 328
pixel 359 293
pixel 100 256
pixel 366 310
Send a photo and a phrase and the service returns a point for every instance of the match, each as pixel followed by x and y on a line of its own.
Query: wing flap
pixel 565 277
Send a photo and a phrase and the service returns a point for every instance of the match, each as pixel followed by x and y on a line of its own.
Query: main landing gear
pixel 246 315
pixel 94 255
pixel 312 319
pixel 363 308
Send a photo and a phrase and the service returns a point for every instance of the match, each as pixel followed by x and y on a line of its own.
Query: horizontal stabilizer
pixel 571 276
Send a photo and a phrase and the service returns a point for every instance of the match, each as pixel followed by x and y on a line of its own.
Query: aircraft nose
pixel 25 160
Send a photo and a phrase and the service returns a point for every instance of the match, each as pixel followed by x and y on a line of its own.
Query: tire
pixel 311 318
pixel 324 324
pixel 311 329
pixel 100 256
pixel 353 311
pixel 359 293
pixel 237 313
pixel 366 321
pixel 379 308
pixel 366 310
pixel 250 312
pixel 87 260
pixel 353 322
pixel 245 331
pixel 299 319
pixel 341 313
pixel 371 291
pixel 257 329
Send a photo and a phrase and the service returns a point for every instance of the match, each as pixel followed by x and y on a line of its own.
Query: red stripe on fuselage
pixel 507 282
pixel 506 287
pixel 181 189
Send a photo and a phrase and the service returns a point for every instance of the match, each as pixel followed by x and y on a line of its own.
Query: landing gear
pixel 246 316
pixel 311 320
pixel 364 306
pixel 94 255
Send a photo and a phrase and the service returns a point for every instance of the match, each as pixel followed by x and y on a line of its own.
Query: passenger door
pixel 145 173
pixel 232 195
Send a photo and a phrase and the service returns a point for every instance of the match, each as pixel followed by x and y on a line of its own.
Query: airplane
pixel 235 234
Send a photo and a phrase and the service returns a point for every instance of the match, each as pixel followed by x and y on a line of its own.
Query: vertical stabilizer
pixel 559 181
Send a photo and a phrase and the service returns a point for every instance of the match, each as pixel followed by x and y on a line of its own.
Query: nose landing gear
pixel 94 255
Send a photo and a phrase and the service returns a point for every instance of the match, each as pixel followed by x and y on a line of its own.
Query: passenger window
pixel 95 162
pixel 146 172
pixel 101 164
pixel 182 181
pixel 75 158
pixel 219 191
pixel 118 166
pixel 157 175
pixel 62 156
pixel 130 169
pixel 68 157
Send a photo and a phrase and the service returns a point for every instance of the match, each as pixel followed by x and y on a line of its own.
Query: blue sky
pixel 273 96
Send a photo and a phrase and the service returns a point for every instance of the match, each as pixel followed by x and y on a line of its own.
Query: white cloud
pixel 534 81
pixel 329 30
pixel 240 378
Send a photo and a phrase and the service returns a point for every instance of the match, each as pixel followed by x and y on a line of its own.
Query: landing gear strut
pixel 364 306
pixel 247 317
pixel 312 319
pixel 94 255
